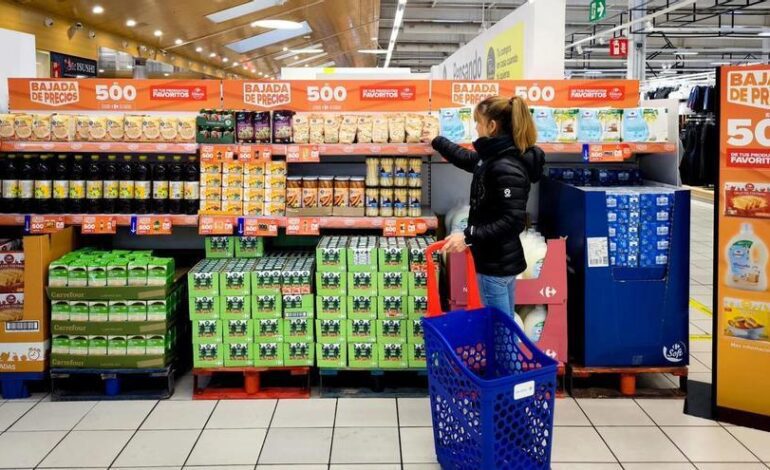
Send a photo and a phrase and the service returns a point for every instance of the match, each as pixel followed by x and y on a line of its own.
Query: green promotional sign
pixel 597 11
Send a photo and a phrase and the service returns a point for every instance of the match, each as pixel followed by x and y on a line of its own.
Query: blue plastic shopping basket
pixel 491 390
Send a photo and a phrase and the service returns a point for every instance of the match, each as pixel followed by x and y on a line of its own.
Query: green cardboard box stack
pixel 112 309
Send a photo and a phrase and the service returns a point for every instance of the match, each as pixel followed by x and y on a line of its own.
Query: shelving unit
pixel 99 147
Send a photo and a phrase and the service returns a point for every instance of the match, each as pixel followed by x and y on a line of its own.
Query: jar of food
pixel 414 175
pixel 372 171
pixel 341 191
pixel 400 171
pixel 386 172
pixel 357 189
pixel 310 191
pixel 386 202
pixel 325 191
pixel 415 203
pixel 372 202
pixel 400 202
pixel 294 192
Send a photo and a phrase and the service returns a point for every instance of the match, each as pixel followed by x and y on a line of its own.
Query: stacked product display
pixel 11 280
pixel 237 187
pixel 601 177
pixel 394 187
pixel 92 128
pixel 325 195
pixel 371 296
pixel 113 309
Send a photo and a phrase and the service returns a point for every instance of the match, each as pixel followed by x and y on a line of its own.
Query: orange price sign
pixel 99 225
pixel 39 224
pixel 215 225
pixel 303 226
pixel 216 152
pixel 257 227
pixel 597 153
pixel 303 154
pixel 262 153
pixel 151 225
pixel 403 227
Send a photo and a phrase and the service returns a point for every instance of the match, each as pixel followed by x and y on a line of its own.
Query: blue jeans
pixel 497 292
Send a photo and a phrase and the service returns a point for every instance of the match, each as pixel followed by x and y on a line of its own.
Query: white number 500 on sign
pixel 326 93
pixel 115 92
pixel 740 133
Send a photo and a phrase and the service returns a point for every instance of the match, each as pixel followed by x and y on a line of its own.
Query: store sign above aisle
pixel 597 11
pixel 322 95
pixel 551 93
pixel 112 95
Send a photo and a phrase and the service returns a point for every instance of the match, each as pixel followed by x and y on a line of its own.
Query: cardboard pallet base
pixel 599 382
pixel 236 383
pixel 383 383
pixel 111 384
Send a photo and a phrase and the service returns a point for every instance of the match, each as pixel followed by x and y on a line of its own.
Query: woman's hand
pixel 455 243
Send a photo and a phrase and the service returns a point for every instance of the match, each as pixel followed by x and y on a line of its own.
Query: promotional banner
pixel 551 93
pixel 70 66
pixel 31 94
pixel 742 299
pixel 332 95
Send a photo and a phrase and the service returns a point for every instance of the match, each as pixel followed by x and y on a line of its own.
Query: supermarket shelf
pixel 576 147
pixel 99 147
pixel 121 219
pixel 364 149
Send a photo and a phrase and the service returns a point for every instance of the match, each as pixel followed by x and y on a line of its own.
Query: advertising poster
pixel 742 298
pixel 505 54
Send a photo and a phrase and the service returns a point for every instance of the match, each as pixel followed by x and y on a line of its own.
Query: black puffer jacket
pixel 502 176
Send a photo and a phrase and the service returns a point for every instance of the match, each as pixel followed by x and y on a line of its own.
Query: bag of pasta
pixel 348 129
pixel 332 129
pixel 316 129
pixel 430 128
pixel 301 128
pixel 380 129
pixel 413 128
pixel 364 129
pixel 396 128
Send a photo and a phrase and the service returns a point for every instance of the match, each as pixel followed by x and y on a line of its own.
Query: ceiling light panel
pixel 293 52
pixel 268 38
pixel 309 59
pixel 243 10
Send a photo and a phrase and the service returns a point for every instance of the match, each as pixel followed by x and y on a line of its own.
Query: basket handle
pixel 434 301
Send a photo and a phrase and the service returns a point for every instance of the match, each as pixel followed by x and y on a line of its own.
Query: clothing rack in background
pixel 700 141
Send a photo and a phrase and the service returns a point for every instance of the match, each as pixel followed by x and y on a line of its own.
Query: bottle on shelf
pixel 43 185
pixel 61 185
pixel 10 185
pixel 27 184
pixel 175 186
pixel 191 186
pixel 77 187
pixel 142 186
pixel 94 185
pixel 111 185
pixel 160 186
pixel 126 185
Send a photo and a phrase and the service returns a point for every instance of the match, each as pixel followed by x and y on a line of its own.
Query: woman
pixel 504 165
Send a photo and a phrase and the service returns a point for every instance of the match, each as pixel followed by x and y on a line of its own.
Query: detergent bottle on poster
pixel 746 260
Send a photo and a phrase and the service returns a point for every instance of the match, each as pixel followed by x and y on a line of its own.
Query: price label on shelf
pixel 98 225
pixel 402 227
pixel 303 226
pixel 39 224
pixel 303 154
pixel 215 225
pixel 262 153
pixel 598 153
pixel 257 227
pixel 151 225
pixel 217 152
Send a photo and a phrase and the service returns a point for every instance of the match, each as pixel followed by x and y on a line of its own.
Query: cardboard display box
pixel 332 355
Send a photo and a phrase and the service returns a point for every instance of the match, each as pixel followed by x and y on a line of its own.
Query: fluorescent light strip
pixel 307 50
pixel 268 38
pixel 309 59
pixel 292 53
pixel 242 10
pixel 397 20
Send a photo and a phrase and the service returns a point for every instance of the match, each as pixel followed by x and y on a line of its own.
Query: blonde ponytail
pixel 524 131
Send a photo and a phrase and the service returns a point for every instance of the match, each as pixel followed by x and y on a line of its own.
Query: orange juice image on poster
pixel 743 298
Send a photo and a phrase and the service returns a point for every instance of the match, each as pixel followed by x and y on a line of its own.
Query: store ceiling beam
pixel 436 28
pixel 427 48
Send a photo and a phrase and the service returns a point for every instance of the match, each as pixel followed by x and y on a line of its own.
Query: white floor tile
pixel 568 413
pixel 183 388
pixel 366 412
pixel 708 444
pixel 228 447
pixel 614 412
pixel 414 412
pixel 667 412
pixel 53 416
pixel 704 358
pixel 365 445
pixel 658 466
pixel 171 467
pixel 705 325
pixel 702 346
pixel 158 448
pixel 179 415
pixel 240 414
pixel 586 466
pixel 417 445
pixel 640 444
pixel 704 377
pixel 579 444
pixel 696 366
pixel 315 413
pixel 422 466
pixel 219 467
pixel 27 449
pixel 116 415
pixel 389 466
pixel 10 412
pixel 757 441
pixel 297 446
pixel 292 467
pixel 731 466
pixel 82 449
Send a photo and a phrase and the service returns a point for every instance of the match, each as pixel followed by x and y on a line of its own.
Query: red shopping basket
pixel 491 390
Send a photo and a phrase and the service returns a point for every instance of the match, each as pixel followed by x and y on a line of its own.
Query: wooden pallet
pixel 233 383
pixel 112 384
pixel 384 383
pixel 596 382
pixel 15 385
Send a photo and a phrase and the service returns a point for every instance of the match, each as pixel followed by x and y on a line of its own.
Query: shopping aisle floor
pixel 376 434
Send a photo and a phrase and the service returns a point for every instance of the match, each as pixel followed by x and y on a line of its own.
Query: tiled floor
pixel 375 434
